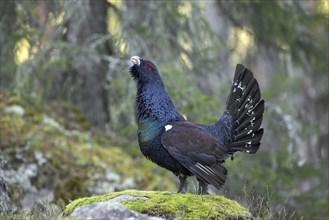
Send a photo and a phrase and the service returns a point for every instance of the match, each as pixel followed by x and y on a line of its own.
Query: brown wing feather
pixel 197 150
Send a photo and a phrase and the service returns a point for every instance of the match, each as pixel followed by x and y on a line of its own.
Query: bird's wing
pixel 197 150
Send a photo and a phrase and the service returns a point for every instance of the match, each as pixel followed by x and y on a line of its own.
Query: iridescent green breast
pixel 148 130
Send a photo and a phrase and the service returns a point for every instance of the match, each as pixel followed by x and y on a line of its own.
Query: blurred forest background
pixel 67 99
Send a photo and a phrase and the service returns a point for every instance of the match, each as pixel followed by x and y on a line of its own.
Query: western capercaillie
pixel 189 149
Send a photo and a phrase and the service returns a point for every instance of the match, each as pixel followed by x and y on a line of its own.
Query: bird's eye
pixel 148 66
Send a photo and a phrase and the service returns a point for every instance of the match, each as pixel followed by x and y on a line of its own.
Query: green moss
pixel 170 205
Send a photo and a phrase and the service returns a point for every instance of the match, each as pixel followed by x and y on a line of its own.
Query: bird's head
pixel 144 70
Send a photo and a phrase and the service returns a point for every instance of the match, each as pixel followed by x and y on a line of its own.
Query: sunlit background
pixel 67 121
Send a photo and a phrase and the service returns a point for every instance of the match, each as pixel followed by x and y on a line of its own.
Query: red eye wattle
pixel 149 66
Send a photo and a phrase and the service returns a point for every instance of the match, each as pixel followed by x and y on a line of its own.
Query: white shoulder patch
pixel 168 127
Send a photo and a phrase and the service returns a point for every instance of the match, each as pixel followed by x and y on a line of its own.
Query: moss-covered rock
pixel 171 205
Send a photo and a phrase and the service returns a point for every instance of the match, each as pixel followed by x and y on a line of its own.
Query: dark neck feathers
pixel 153 103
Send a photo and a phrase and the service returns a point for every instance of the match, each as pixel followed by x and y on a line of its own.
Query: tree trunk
pixel 87 29
pixel 8 27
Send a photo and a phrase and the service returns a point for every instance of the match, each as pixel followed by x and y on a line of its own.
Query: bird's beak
pixel 136 60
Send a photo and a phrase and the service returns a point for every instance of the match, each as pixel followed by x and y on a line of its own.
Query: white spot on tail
pixel 168 127
pixel 241 87
pixel 248 144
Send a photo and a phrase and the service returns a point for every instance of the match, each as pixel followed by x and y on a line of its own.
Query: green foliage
pixel 281 178
pixel 188 98
pixel 123 112
pixel 286 26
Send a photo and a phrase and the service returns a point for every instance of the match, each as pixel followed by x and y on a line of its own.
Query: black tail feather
pixel 247 130
pixel 244 108
pixel 248 124
pixel 256 112
pixel 250 143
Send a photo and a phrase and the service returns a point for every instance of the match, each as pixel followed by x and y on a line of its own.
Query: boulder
pixel 137 204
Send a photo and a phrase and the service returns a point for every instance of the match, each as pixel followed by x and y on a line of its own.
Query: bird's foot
pixel 203 188
pixel 182 184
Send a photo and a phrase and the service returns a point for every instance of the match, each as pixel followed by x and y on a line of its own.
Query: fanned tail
pixel 240 125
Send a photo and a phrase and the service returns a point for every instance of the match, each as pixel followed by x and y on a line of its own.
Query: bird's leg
pixel 232 156
pixel 182 183
pixel 203 187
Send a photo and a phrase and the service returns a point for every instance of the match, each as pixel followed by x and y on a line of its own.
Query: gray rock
pixel 4 197
pixel 40 199
pixel 111 209
pixel 15 109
